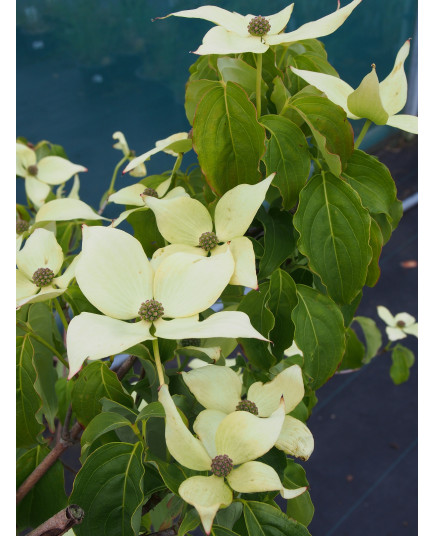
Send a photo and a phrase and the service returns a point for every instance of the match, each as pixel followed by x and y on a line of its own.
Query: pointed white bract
pixel 377 101
pixel 235 33
pixel 399 326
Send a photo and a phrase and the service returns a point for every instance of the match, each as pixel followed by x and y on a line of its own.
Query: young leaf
pixel 402 361
pixel 109 488
pixel 373 340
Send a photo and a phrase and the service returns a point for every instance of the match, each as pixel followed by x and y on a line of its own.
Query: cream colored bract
pixel 231 35
pixel 399 326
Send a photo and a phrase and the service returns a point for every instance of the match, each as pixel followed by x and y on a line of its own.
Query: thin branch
pixel 125 367
pixel 61 522
pixel 155 499
pixel 65 429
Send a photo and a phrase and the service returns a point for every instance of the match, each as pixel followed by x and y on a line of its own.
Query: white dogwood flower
pixel 228 449
pixel 377 101
pixel 237 33
pixel 122 145
pixel 115 275
pixel 399 326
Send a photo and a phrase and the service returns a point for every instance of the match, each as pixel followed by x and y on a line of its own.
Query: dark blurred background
pixel 87 68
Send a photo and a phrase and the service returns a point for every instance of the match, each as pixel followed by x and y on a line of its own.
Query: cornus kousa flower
pixel 218 389
pixel 40 175
pixel 122 145
pixel 38 262
pixel 116 276
pixel 188 225
pixel 174 145
pixel 377 101
pixel 237 33
pixel 228 449
pixel 399 326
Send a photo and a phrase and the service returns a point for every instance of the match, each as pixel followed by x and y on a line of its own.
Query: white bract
pixel 185 223
pixel 116 276
pixel 378 102
pixel 232 35
pixel 40 175
pixel 399 326
pixel 232 444
pixel 38 262
pixel 122 145
pixel 174 145
pixel 218 389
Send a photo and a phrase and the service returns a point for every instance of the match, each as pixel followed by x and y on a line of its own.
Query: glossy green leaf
pixel 78 301
pixel 300 508
pixel 288 156
pixel 47 497
pixel 173 474
pixel 195 90
pixel 330 129
pixel 190 522
pixel 154 409
pixel 99 425
pixel 146 230
pixel 240 72
pixel 42 323
pixel 354 352
pixel 319 333
pixel 227 138
pixel 402 361
pixel 109 488
pixel 372 334
pixel 227 517
pixel 222 531
pixel 96 381
pixel 334 235
pixel 255 305
pixel 376 243
pixel 279 239
pixel 114 407
pixel 264 520
pixel 28 402
pixel 283 299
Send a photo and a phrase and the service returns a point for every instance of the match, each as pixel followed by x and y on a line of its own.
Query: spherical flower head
pixel 151 192
pixel 190 342
pixel 259 26
pixel 33 170
pixel 22 226
pixel 221 465
pixel 151 310
pixel 208 241
pixel 43 277
pixel 400 324
pixel 247 405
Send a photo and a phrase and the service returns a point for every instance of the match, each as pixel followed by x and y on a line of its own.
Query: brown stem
pixel 155 499
pixel 61 522
pixel 125 367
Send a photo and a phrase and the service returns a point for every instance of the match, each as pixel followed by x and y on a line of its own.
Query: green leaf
pixel 114 407
pixel 173 474
pixel 283 299
pixel 63 392
pixel 265 520
pixel 154 409
pixel 330 129
pixel 96 381
pixel 100 425
pixel 279 239
pixel 372 181
pixel 402 361
pixel 42 323
pixel 240 72
pixel 300 508
pixel 190 522
pixel 227 138
pixel 227 517
pixel 354 352
pixel 255 305
pixel 195 90
pixel 222 531
pixel 146 230
pixel 28 401
pixel 47 497
pixel 334 235
pixel 109 488
pixel 78 301
pixel 376 243
pixel 319 333
pixel 372 334
pixel 288 156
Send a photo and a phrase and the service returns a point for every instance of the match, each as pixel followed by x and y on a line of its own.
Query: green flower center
pixel 151 310
pixel 43 277
pixel 208 241
pixel 22 226
pixel 151 192
pixel 400 324
pixel 190 342
pixel 259 26
pixel 33 170
pixel 247 405
pixel 221 465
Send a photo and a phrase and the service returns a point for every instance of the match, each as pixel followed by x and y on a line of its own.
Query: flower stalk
pixel 362 134
pixel 158 361
pixel 258 83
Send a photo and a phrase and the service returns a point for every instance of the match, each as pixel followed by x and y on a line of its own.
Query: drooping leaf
pixel 96 381
pixel 279 239
pixel 402 361
pixel 283 299
pixel 28 401
pixel 300 508
pixel 288 156
pixel 109 488
pixel 334 235
pixel 319 333
pixel 264 520
pixel 376 243
pixel 240 72
pixel 354 352
pixel 47 497
pixel 154 409
pixel 372 334
pixel 227 138
pixel 99 425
